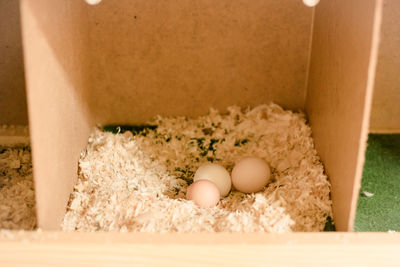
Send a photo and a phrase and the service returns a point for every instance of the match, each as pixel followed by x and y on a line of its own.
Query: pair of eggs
pixel 212 181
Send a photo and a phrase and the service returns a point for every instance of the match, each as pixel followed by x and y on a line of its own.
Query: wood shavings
pixel 17 198
pixel 367 194
pixel 138 182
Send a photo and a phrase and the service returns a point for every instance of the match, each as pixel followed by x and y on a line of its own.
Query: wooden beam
pixel 122 249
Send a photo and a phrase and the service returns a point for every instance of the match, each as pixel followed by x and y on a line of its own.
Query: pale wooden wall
pixel 182 57
pixel 12 82
pixel 55 43
pixel 342 70
pixel 385 115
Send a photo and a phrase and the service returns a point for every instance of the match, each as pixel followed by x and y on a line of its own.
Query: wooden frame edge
pixel 384 131
pixel 16 135
pixel 373 61
pixel 121 249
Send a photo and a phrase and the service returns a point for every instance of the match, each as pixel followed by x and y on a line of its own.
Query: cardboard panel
pixel 385 116
pixel 343 59
pixel 182 57
pixel 54 35
pixel 12 81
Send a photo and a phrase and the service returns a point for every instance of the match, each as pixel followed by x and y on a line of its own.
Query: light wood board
pixel 54 42
pixel 128 249
pixel 342 70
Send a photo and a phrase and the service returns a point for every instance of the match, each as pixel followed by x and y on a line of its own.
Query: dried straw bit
pixel 17 197
pixel 138 182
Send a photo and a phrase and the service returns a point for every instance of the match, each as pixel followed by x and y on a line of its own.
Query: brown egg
pixel 204 193
pixel 250 175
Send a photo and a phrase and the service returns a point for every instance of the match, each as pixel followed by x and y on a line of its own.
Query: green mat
pixel 381 177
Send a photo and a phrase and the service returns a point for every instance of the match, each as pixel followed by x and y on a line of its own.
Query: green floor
pixel 381 177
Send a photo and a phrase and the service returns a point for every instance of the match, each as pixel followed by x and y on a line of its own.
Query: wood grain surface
pixel 342 70
pixel 54 43
pixel 129 249
pixel 12 80
pixel 385 115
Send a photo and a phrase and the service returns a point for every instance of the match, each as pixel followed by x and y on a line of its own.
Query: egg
pixel 250 175
pixel 216 174
pixel 204 193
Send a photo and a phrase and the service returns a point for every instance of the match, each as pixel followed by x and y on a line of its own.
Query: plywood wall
pixel 342 70
pixel 12 82
pixel 55 43
pixel 385 117
pixel 182 57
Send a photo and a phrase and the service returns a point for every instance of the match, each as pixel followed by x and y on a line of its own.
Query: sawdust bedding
pixel 137 180
pixel 17 197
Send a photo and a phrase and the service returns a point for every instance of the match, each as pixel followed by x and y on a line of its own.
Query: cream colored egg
pixel 250 175
pixel 204 194
pixel 216 174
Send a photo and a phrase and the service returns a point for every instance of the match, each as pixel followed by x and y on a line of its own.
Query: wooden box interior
pixel 123 62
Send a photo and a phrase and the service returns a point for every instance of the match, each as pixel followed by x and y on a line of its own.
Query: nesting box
pixel 123 62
